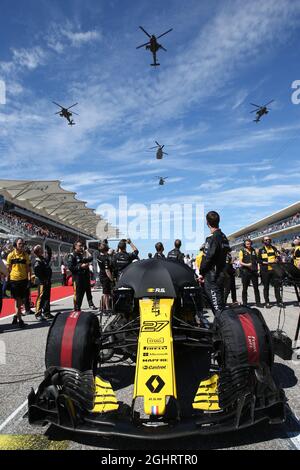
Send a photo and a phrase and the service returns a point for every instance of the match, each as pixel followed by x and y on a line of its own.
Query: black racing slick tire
pixel 73 341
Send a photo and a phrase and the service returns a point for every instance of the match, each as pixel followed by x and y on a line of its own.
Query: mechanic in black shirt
pixel 122 259
pixel 43 274
pixel 78 264
pixel 105 275
pixel 159 251
pixel 213 264
pixel 175 254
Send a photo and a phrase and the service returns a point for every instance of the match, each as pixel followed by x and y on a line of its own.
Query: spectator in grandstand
pixel 268 256
pixel 159 248
pixel 105 275
pixel 249 271
pixel 296 253
pixel 122 258
pixel 63 271
pixel 176 254
pixel 18 264
pixel 78 264
pixel 43 274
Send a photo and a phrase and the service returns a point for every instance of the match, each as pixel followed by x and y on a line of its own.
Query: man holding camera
pixel 122 258
pixel 249 271
pixel 268 256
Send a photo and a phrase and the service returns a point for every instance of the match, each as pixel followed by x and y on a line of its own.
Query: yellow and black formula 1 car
pixel 191 376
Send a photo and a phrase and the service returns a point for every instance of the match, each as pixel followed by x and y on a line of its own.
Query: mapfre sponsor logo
pixel 155 340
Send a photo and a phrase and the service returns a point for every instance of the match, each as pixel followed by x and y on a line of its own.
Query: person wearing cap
pixel 296 253
pixel 122 258
pixel 268 256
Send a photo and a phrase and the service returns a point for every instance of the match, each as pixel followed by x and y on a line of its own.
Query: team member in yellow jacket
pixel 249 271
pixel 18 265
pixel 296 253
pixel 268 255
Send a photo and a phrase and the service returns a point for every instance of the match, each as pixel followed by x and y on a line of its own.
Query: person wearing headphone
pixel 122 258
pixel 78 264
pixel 268 255
pixel 18 265
pixel 249 271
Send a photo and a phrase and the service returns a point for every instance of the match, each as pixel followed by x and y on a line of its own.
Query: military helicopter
pixel 64 112
pixel 260 111
pixel 153 45
pixel 160 153
pixel 161 180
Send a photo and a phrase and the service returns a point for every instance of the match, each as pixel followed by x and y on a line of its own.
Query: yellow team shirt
pixel 19 264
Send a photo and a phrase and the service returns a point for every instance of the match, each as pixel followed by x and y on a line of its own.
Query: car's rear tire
pixel 72 341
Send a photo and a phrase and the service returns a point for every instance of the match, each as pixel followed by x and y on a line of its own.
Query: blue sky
pixel 221 56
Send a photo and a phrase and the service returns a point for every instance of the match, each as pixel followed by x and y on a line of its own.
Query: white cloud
pixel 28 58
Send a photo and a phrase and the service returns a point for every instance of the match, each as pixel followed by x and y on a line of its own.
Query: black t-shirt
pixel 104 263
pixel 176 255
pixel 122 259
pixel 159 256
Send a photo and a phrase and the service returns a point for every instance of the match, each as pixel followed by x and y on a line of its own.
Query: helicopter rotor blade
pixel 163 48
pixel 257 105
pixel 165 153
pixel 162 146
pixel 75 113
pixel 145 31
pixel 169 30
pixel 157 143
pixel 58 112
pixel 268 103
pixel 143 45
pixel 152 148
pixel 254 111
pixel 59 105
pixel 72 106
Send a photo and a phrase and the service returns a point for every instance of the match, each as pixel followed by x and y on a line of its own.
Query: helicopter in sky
pixel 260 110
pixel 64 112
pixel 159 153
pixel 153 45
pixel 162 180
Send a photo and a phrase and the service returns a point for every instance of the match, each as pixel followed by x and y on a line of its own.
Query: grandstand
pixel 43 212
pixel 282 226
